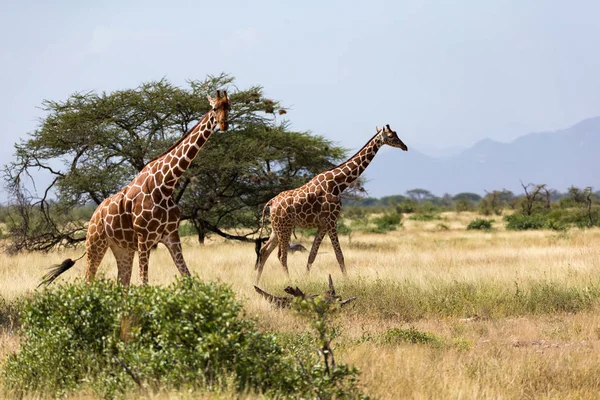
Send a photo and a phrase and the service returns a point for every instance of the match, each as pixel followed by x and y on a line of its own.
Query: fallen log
pixel 330 296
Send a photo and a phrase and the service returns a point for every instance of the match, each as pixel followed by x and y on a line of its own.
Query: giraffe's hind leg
pixel 336 246
pixel 284 243
pixel 264 254
pixel 95 247
pixel 315 248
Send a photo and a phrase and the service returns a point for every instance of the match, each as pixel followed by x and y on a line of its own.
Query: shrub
pixel 407 206
pixel 343 229
pixel 481 224
pixel 424 217
pixel 386 223
pixel 412 335
pixel 328 380
pixel 519 222
pixel 461 205
pixel 190 334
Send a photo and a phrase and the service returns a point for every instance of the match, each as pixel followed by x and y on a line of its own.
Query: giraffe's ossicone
pixel 144 212
pixel 317 204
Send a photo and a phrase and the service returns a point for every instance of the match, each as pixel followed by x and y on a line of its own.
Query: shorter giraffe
pixel 317 204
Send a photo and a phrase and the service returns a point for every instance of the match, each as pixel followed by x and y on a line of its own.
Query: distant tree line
pixel 537 207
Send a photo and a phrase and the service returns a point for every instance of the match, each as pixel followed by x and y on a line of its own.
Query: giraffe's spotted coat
pixel 317 204
pixel 144 213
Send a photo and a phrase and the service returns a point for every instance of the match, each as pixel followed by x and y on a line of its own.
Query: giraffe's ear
pixel 210 100
pixel 376 128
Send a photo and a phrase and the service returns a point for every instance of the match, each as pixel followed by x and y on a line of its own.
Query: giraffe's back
pixel 306 207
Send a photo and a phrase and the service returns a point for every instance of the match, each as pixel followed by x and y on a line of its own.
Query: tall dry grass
pixel 517 312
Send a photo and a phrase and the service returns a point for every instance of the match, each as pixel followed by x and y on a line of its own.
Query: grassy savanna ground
pixel 512 314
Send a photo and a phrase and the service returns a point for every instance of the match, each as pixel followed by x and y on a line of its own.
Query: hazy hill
pixel 560 159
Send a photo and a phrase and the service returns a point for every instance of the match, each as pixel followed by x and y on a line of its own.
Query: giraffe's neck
pixel 172 165
pixel 349 171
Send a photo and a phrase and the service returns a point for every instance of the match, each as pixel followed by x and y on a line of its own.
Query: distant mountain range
pixel 559 159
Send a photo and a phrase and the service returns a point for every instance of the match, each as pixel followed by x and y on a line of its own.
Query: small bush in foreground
pixel 187 335
pixel 481 224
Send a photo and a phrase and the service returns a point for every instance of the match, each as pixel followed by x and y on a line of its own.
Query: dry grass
pixel 512 356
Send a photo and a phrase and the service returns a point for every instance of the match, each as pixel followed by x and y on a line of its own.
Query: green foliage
pixel 420 195
pixel 343 229
pixel 520 222
pixel 462 205
pixel 471 197
pixel 424 217
pixel 408 206
pixel 386 223
pixel 329 380
pixel 111 340
pixel 481 224
pixel 395 336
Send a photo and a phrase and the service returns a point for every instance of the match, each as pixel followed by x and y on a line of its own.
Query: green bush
pixel 386 223
pixel 190 334
pixel 424 217
pixel 407 206
pixel 481 224
pixel 395 336
pixel 343 229
pixel 520 222
pixel 461 205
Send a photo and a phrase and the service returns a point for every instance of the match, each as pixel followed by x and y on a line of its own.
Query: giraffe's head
pixel 221 107
pixel 389 137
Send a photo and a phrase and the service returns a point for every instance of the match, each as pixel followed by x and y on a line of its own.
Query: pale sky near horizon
pixel 441 73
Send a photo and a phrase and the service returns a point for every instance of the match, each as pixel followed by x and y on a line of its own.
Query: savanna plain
pixel 441 312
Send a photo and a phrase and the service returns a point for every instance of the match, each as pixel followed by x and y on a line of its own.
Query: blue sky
pixel 441 73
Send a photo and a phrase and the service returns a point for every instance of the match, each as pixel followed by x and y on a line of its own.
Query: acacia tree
pixel 536 196
pixel 91 144
pixel 420 195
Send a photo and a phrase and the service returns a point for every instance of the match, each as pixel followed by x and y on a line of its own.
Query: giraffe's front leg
pixel 336 246
pixel 173 243
pixel 144 246
pixel 315 248
pixel 124 259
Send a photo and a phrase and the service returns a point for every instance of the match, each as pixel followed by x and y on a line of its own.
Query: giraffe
pixel 144 213
pixel 317 204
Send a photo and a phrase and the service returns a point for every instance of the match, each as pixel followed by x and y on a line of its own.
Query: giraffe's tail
pixel 56 270
pixel 264 212
pixel 259 241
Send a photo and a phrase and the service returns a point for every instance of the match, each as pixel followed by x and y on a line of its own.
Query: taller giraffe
pixel 317 203
pixel 144 213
